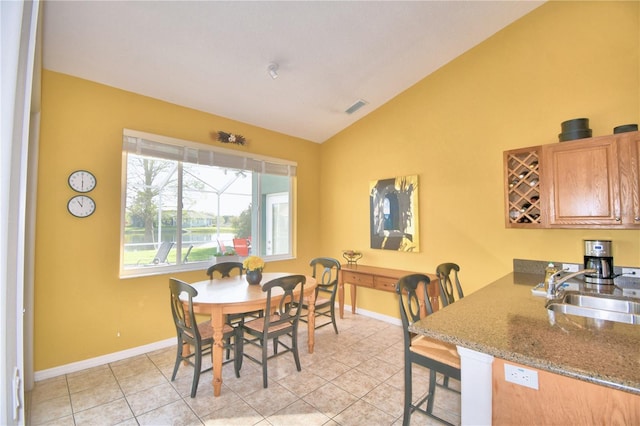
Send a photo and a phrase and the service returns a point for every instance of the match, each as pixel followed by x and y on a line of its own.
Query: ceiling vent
pixel 356 106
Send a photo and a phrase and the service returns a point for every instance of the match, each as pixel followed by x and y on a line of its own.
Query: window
pixel 184 205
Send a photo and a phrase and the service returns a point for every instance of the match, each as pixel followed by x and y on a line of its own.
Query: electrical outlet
pixel 631 272
pixel 570 267
pixel 521 376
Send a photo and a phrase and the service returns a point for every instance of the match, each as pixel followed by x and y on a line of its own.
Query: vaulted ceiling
pixel 214 56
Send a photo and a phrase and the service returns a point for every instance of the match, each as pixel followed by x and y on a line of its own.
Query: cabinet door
pixel 630 178
pixel 582 183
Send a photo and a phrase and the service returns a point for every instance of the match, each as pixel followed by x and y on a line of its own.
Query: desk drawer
pixel 362 280
pixel 385 283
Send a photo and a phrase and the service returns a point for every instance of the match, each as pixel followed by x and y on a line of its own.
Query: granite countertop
pixel 505 320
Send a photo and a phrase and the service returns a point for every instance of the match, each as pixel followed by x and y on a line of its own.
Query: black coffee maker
pixel 598 256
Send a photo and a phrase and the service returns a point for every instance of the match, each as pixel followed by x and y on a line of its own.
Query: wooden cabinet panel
pixel 559 400
pixel 583 182
pixel 629 151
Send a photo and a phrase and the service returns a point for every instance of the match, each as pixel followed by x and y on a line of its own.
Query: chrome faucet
pixel 554 286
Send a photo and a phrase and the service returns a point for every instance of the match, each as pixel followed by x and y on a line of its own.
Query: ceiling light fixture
pixel 272 69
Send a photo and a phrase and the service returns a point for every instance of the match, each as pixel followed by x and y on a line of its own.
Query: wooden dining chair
pixel 224 269
pixel 437 356
pixel 447 293
pixel 200 336
pixel 325 271
pixel 283 321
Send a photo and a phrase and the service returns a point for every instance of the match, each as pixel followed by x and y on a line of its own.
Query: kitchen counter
pixel 506 321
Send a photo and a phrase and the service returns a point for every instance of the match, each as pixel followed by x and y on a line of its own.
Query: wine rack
pixel 522 188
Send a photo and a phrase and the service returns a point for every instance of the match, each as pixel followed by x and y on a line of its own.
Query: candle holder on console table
pixel 352 256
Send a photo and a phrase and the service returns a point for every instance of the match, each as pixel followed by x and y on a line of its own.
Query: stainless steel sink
pixel 598 306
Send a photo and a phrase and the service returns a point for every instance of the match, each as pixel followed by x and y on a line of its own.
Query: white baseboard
pixel 374 315
pixel 101 360
pixel 118 356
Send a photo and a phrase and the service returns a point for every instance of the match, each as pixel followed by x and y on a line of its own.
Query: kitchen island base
pixel 487 398
pixel 475 385
pixel 559 400
pixel 517 328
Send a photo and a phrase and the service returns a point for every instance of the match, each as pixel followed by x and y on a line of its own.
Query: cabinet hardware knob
pixel 618 219
pixel 637 218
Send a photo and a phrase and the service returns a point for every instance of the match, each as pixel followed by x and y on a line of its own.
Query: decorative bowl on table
pixel 351 256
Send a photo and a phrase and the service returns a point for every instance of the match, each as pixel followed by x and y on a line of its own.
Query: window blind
pixel 151 145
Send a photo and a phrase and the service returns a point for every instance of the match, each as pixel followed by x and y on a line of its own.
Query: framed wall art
pixel 394 214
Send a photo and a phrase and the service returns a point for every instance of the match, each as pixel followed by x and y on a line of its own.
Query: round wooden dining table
pixel 221 296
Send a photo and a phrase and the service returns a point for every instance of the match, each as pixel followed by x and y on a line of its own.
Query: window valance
pixel 148 144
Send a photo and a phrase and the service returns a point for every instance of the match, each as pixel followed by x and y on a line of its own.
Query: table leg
pixel 432 294
pixel 217 322
pixel 311 321
pixel 435 303
pixel 353 298
pixel 421 302
pixel 341 298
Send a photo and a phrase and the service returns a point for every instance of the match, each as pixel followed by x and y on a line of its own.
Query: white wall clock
pixel 81 206
pixel 82 181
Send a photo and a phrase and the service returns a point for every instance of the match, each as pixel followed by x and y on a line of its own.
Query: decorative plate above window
pixel 225 137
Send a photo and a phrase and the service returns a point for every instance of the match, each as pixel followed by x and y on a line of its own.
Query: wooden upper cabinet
pixel 630 175
pixel 586 183
pixel 583 183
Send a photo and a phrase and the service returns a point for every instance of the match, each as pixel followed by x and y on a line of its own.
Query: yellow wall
pixel 562 61
pixel 80 302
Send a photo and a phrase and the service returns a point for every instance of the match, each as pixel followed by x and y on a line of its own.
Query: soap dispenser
pixel 548 272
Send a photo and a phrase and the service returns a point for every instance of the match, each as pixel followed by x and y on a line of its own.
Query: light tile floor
pixel 353 378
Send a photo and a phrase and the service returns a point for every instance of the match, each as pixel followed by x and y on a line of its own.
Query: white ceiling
pixel 213 55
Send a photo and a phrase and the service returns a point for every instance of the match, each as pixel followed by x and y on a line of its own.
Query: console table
pixel 384 279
